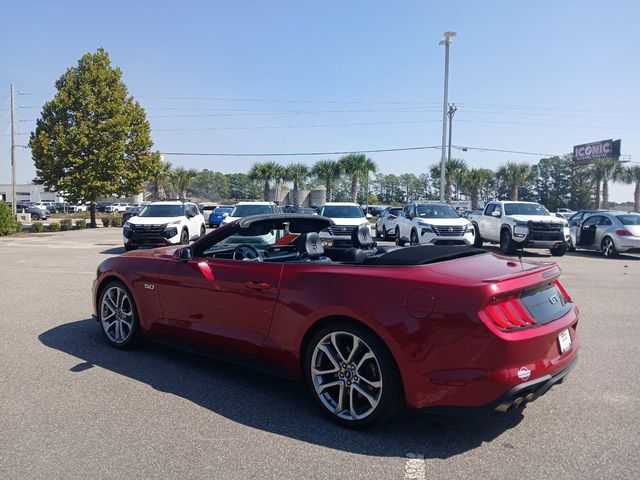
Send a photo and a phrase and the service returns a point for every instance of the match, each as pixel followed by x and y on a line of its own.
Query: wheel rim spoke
pixel 334 343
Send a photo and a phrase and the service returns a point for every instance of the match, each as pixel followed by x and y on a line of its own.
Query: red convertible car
pixel 369 329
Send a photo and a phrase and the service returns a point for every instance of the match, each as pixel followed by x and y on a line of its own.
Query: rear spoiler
pixel 549 272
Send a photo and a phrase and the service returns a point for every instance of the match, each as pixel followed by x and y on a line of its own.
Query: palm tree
pixel 160 180
pixel 515 175
pixel 454 172
pixel 181 178
pixel 612 171
pixel 632 175
pixel 298 173
pixel 327 171
pixel 266 172
pixel 596 173
pixel 476 180
pixel 358 167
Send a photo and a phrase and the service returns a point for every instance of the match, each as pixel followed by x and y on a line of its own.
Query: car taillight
pixel 624 233
pixel 564 293
pixel 507 313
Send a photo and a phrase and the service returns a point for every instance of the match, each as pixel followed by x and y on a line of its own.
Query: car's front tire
pixel 203 231
pixel 118 316
pixel 477 238
pixel 184 237
pixel 385 234
pixel 398 239
pixel 559 250
pixel 414 238
pixel 352 375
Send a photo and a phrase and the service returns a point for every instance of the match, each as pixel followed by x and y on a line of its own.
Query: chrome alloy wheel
pixel 346 376
pixel 116 314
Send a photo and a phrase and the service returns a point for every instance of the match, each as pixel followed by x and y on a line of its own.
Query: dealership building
pixel 28 193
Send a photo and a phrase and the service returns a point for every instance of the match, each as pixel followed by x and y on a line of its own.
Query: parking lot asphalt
pixel 74 408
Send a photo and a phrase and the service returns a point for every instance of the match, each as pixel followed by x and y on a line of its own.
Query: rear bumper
pixel 516 398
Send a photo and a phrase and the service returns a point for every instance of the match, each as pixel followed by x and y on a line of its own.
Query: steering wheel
pixel 247 253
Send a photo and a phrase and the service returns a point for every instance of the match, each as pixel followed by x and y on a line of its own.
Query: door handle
pixel 257 285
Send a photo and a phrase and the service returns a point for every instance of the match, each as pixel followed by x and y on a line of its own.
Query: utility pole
pixel 446 42
pixel 13 153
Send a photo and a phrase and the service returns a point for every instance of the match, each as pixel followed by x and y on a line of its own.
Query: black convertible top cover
pixel 422 255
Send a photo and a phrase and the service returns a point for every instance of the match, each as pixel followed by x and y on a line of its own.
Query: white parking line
pixel 415 467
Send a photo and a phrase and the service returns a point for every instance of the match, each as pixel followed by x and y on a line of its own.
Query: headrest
pixel 310 244
pixel 361 237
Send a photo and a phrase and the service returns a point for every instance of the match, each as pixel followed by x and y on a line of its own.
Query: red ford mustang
pixel 369 329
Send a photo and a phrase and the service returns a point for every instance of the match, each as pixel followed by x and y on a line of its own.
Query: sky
pixel 297 76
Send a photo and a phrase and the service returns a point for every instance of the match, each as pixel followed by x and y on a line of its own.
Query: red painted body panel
pixel 448 352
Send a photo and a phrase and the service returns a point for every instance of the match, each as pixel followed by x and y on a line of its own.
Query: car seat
pixel 310 249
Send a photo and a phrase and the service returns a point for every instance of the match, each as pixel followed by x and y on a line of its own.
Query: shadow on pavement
pixel 113 251
pixel 271 403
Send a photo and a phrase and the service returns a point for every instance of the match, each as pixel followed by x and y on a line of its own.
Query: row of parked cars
pixel 513 226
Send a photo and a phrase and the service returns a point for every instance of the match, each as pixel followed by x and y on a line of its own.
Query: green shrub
pixel 116 221
pixel 54 227
pixel 18 227
pixel 7 222
pixel 106 221
pixel 80 224
pixel 65 224
pixel 37 227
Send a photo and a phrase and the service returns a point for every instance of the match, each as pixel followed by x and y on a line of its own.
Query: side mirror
pixel 225 214
pixel 185 254
pixel 496 214
pixel 368 216
pixel 392 217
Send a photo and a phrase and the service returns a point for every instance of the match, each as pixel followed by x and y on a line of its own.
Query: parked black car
pixel 131 212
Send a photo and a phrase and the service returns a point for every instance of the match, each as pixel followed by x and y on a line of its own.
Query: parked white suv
pixel 117 207
pixel 164 223
pixel 432 223
pixel 346 216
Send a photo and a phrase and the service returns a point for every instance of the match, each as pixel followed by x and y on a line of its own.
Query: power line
pixel 293 154
pixel 268 127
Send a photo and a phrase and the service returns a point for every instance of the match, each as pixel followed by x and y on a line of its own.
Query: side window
pixel 605 221
pixel 489 209
pixel 405 211
pixel 592 220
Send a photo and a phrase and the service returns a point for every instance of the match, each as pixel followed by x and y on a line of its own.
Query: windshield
pixel 394 211
pixel 629 219
pixel 246 210
pixel 436 211
pixel 524 209
pixel 162 211
pixel 223 210
pixel 342 211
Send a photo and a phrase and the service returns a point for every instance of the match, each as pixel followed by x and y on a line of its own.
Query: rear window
pixel 222 210
pixel 629 219
pixel 342 211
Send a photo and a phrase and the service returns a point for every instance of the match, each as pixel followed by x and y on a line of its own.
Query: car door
pixel 586 234
pixel 226 304
pixel 193 213
pixel 604 225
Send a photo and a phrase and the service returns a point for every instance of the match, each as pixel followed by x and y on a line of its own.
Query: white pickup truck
pixel 515 225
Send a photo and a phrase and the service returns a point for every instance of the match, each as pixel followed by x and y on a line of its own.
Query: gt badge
pixel 524 373
pixel 149 286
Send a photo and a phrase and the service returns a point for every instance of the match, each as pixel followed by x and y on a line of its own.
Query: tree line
pixel 555 182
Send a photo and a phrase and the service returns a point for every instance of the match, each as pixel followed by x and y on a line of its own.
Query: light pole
pixel 446 41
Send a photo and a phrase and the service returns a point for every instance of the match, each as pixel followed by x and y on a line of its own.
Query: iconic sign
pixel 589 152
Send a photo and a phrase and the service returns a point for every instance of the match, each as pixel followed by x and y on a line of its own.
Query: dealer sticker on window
pixel 564 340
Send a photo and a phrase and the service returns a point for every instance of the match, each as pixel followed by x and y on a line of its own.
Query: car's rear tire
pixel 35 216
pixel 128 248
pixel 477 238
pixel 608 248
pixel 559 250
pixel 399 240
pixel 414 238
pixel 352 375
pixel 184 237
pixel 506 243
pixel 118 316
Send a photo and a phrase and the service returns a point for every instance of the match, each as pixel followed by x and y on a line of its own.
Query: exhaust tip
pixel 530 397
pixel 517 402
